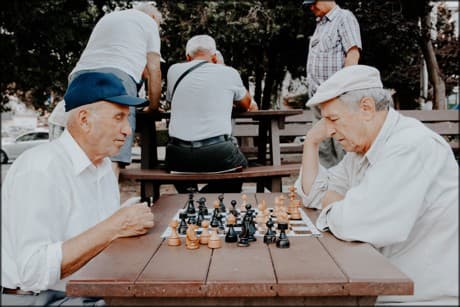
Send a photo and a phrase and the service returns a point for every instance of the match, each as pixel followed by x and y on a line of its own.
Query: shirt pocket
pixel 329 43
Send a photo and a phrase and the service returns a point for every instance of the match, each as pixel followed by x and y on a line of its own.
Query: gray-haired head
pixel 200 43
pixel 150 9
pixel 220 57
pixel 382 98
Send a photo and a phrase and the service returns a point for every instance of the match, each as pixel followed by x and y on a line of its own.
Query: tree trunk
pixel 434 72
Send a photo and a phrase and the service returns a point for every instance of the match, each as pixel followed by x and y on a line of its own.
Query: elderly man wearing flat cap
pixel 396 188
pixel 336 43
pixel 60 201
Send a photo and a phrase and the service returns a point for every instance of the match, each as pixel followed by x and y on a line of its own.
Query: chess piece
pixel 260 218
pixel 222 208
pixel 191 239
pixel 295 214
pixel 244 234
pixel 215 219
pixel 231 236
pixel 270 235
pixel 252 226
pixel 183 225
pixel 173 239
pixel 233 210
pixel 204 237
pixel 282 241
pixel 244 199
pixel 189 205
pixel 214 240
pixel 202 206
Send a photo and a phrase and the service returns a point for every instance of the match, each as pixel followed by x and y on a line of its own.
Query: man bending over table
pixel 396 188
pixel 60 201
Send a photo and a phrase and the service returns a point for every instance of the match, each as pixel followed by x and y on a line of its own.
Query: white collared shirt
pixel 51 193
pixel 401 197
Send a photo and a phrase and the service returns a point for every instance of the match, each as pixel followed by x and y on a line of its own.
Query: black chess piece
pixel 221 203
pixel 202 205
pixel 270 235
pixel 182 225
pixel 244 236
pixel 191 218
pixel 199 218
pixel 252 225
pixel 215 219
pixel 282 241
pixel 190 202
pixel 221 227
pixel 231 236
pixel 233 210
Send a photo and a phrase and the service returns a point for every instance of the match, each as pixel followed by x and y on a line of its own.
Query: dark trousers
pixel 212 158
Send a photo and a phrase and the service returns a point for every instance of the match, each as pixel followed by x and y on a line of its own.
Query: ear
pixel 214 58
pixel 367 107
pixel 83 120
pixel 189 58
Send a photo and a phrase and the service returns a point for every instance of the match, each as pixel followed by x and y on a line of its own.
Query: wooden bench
pixel 444 122
pixel 265 176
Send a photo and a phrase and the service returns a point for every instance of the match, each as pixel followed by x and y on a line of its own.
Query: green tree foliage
pixel 42 40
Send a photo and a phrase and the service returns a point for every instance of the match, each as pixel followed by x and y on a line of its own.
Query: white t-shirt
pixel 121 40
pixel 52 193
pixel 203 101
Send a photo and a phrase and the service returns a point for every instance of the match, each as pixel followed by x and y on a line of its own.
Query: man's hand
pixel 317 133
pixel 330 197
pixel 132 220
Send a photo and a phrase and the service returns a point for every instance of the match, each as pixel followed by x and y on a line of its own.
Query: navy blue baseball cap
pixel 94 86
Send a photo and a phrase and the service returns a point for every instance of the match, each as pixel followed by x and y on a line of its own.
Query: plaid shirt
pixel 334 35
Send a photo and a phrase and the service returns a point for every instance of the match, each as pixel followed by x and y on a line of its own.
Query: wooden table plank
pixel 314 273
pixel 368 271
pixel 241 271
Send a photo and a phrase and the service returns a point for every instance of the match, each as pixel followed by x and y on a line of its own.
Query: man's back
pixel 203 100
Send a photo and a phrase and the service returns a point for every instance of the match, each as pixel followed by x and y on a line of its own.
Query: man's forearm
pixel 352 57
pixel 78 250
pixel 154 80
pixel 310 162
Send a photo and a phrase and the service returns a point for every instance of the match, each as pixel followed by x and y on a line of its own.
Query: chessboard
pixel 297 228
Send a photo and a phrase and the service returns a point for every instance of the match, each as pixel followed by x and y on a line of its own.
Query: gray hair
pixel 203 43
pixel 150 9
pixel 381 97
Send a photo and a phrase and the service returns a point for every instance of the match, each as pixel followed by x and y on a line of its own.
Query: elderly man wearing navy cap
pixel 396 188
pixel 60 201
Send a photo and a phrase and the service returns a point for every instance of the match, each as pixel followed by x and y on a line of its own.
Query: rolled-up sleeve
pixel 35 229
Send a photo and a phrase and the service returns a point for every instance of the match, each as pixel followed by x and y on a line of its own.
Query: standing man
pixel 201 107
pixel 127 44
pixel 60 200
pixel 336 43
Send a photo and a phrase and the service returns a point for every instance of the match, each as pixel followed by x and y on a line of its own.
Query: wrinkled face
pixel 109 128
pixel 320 8
pixel 345 125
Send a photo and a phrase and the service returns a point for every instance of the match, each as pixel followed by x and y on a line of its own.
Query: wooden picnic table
pixel 144 270
pixel 271 122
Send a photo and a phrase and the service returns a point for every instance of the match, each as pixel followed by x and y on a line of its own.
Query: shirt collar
pixel 331 15
pixel 80 160
pixel 390 121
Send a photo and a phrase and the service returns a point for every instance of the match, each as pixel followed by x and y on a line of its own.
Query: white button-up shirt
pixel 51 193
pixel 401 197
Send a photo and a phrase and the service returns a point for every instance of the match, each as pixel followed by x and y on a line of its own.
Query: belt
pixel 200 143
pixel 17 291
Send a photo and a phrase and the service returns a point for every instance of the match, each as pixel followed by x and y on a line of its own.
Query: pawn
pixel 282 241
pixel 233 210
pixel 173 239
pixel 214 240
pixel 231 236
pixel 295 214
pixel 270 235
pixel 204 237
